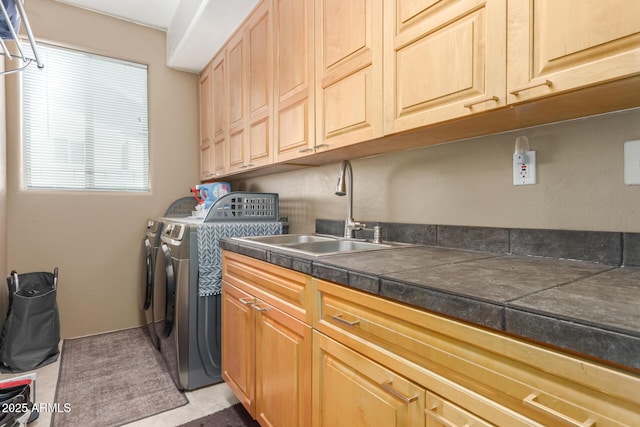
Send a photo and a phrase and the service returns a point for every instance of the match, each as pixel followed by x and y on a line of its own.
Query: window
pixel 85 123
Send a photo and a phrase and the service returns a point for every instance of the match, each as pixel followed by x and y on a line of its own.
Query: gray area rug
pixel 113 379
pixel 233 416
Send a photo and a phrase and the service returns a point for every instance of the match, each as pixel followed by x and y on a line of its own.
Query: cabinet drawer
pixel 544 385
pixel 284 289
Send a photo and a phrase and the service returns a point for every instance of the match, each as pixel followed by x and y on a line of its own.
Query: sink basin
pixel 286 239
pixel 320 245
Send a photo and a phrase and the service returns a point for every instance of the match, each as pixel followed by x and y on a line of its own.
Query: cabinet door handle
pixel 481 100
pixel 261 309
pixel 338 318
pixel 388 387
pixel 306 150
pixel 531 86
pixel 440 419
pixel 323 146
pixel 246 301
pixel 532 403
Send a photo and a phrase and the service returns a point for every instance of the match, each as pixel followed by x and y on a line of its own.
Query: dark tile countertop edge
pixel 599 342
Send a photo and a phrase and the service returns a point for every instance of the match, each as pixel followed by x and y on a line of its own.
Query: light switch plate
pixel 632 162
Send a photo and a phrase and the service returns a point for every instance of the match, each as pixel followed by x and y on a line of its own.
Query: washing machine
pixel 189 330
pixel 189 327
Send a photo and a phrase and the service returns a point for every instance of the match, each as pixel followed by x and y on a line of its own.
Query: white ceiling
pixel 196 29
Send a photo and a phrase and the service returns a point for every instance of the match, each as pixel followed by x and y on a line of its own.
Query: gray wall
pixel 580 182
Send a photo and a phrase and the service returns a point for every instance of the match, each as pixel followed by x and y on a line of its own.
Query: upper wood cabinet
pixel 236 108
pixel 348 60
pixel 220 137
pixel 259 39
pixel 294 110
pixel 559 46
pixel 305 76
pixel 250 91
pixel 443 60
pixel 206 124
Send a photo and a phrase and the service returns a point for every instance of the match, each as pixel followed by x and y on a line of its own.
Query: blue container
pixel 213 191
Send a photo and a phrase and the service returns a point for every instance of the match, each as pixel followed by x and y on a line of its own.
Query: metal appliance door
pixel 147 288
pixel 170 294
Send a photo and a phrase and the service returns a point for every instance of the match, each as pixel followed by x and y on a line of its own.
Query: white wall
pixel 96 238
pixel 580 182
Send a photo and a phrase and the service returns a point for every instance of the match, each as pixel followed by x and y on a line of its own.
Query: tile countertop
pixel 587 308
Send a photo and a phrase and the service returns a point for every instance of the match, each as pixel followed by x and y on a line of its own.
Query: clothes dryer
pixel 151 244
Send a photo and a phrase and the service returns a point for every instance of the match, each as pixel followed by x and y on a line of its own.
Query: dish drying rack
pixel 12 13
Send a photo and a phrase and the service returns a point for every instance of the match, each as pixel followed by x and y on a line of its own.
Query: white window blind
pixel 85 123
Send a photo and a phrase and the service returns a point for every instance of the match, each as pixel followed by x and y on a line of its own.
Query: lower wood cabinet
pixel 351 390
pixel 266 353
pixel 302 352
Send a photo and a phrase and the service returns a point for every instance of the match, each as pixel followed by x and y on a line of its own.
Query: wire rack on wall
pixel 12 14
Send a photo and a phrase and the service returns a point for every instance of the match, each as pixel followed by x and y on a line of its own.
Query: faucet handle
pixel 377 233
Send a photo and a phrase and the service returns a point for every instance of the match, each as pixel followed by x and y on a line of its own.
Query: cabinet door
pixel 238 344
pixel 219 105
pixel 283 369
pixel 353 391
pixel 557 46
pixel 260 96
pixel 206 124
pixel 443 60
pixel 348 72
pixel 294 111
pixel 237 83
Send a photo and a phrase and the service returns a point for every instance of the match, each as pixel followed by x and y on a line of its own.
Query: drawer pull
pixel 481 100
pixel 338 318
pixel 247 301
pixel 261 309
pixel 388 387
pixel 531 86
pixel 531 402
pixel 439 418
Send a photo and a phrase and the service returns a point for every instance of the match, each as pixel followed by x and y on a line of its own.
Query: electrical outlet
pixel 524 168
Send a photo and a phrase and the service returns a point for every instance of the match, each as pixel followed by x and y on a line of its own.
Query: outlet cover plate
pixel 632 162
pixel 529 177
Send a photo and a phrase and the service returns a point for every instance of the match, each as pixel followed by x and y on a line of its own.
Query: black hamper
pixel 31 331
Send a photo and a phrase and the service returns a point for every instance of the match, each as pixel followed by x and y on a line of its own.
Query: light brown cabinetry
pixel 378 362
pixel 474 373
pixel 260 88
pixel 206 123
pixel 556 47
pixel 443 60
pixel 348 63
pixel 219 153
pixel 266 344
pixel 351 390
pixel 250 71
pixel 236 107
pixel 294 108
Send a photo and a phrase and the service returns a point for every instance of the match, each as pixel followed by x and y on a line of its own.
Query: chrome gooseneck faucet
pixel 345 187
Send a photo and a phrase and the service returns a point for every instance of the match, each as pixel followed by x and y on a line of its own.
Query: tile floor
pixel 202 402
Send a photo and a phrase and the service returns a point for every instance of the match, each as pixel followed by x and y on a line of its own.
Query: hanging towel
pixel 210 253
pixel 14 17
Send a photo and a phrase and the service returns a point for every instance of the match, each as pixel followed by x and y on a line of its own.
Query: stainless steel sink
pixel 320 245
pixel 286 239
